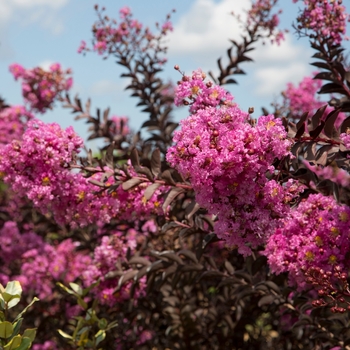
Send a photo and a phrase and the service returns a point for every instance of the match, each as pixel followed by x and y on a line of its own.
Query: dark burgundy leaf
pixel 134 157
pixel 150 190
pixel 316 132
pixel 166 176
pixel 329 129
pixel 155 162
pixel 131 183
pixel 266 300
pixel 171 195
pixel 139 260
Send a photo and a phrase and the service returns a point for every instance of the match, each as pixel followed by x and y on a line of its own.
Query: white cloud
pixel 43 12
pixel 278 65
pixel 33 3
pixel 202 36
pixel 272 79
pixel 45 64
pixel 205 29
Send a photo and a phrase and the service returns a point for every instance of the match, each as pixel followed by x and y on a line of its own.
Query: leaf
pixel 324 76
pixel 171 256
pixel 30 333
pixel 228 266
pixel 273 286
pixel 331 88
pixel 315 119
pixel 16 327
pixel 310 151
pixel 13 288
pixel 266 300
pixel 155 162
pixel 100 336
pixel 191 209
pixel 131 183
pixel 166 176
pixel 229 81
pixel 169 271
pixel 321 65
pixel 134 157
pixel 171 195
pixel 300 131
pixel 188 254
pixel 14 343
pixel 26 308
pixel 139 261
pixel 149 191
pixel 64 334
pixel 144 171
pixel 316 132
pixel 76 288
pixel 321 155
pixel 302 120
pixel 6 329
pixel 109 156
pixel 345 125
pixel 329 129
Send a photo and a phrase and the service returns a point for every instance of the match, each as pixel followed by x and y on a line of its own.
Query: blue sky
pixel 39 32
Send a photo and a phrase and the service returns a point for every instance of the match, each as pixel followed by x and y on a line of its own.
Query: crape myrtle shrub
pixel 223 232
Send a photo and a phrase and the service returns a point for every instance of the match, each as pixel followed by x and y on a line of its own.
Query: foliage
pixel 220 232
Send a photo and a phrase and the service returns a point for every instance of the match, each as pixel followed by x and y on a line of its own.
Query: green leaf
pixel 30 333
pixel 14 288
pixel 87 290
pixel 66 289
pixel 2 316
pixel 100 336
pixel 16 327
pixel 12 300
pixel 6 329
pixel 64 334
pixel 77 289
pixel 14 343
pixel 26 308
pixel 25 344
pixel 82 303
pixel 102 323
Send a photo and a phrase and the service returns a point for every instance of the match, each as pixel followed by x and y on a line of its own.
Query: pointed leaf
pixel 155 162
pixel 134 157
pixel 131 183
pixel 171 195
pixel 150 190
pixel 26 308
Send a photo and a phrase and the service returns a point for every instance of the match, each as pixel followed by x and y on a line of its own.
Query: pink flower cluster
pixel 48 345
pixel 194 91
pixel 316 234
pixel 44 266
pixel 326 18
pixel 13 121
pixel 119 125
pixel 40 88
pixel 335 174
pixel 302 98
pixel 111 37
pixel 110 254
pixel 226 159
pixel 40 264
pixel 345 137
pixel 37 167
pixel 259 15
